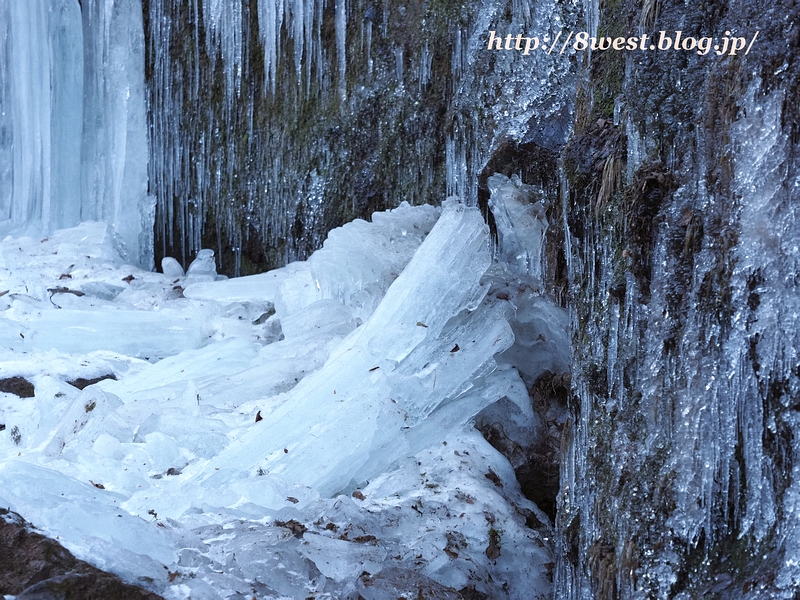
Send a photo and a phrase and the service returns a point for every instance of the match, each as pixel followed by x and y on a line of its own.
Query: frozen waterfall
pixel 73 120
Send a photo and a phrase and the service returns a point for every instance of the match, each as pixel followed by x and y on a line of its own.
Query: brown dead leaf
pixel 366 539
pixel 493 549
pixel 492 476
pixel 296 527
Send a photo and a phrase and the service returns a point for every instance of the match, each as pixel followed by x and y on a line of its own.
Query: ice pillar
pixel 41 81
pixel 73 138
pixel 114 150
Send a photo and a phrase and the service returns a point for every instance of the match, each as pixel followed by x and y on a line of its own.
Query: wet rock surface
pixel 536 460
pixel 82 382
pixel 677 473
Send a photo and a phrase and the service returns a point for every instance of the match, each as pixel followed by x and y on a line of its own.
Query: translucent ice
pixel 171 267
pixel 358 262
pixel 42 82
pixel 203 264
pixel 75 145
pixel 87 518
pixel 252 288
pixel 416 351
pixel 142 334
pixel 521 224
pixel 114 151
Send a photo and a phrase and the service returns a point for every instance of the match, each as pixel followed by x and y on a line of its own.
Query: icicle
pixel 425 62
pixel 456 64
pixel 368 26
pixel 341 44
pixel 398 62
pixel 270 17
pixel 592 10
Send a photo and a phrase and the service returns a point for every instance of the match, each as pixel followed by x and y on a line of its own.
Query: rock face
pixel 273 122
pixel 33 567
pixel 270 128
pixel 679 470
pixel 18 386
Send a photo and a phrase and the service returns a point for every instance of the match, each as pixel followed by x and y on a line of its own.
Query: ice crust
pixel 244 412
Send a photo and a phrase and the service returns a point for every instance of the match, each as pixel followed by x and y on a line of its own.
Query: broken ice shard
pixel 359 404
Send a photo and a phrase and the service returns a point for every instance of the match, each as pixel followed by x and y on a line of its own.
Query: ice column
pixel 41 79
pixel 521 224
pixel 115 151
pixel 73 142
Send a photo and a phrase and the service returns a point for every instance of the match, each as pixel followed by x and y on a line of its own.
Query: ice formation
pixel 74 145
pixel 521 223
pixel 302 432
